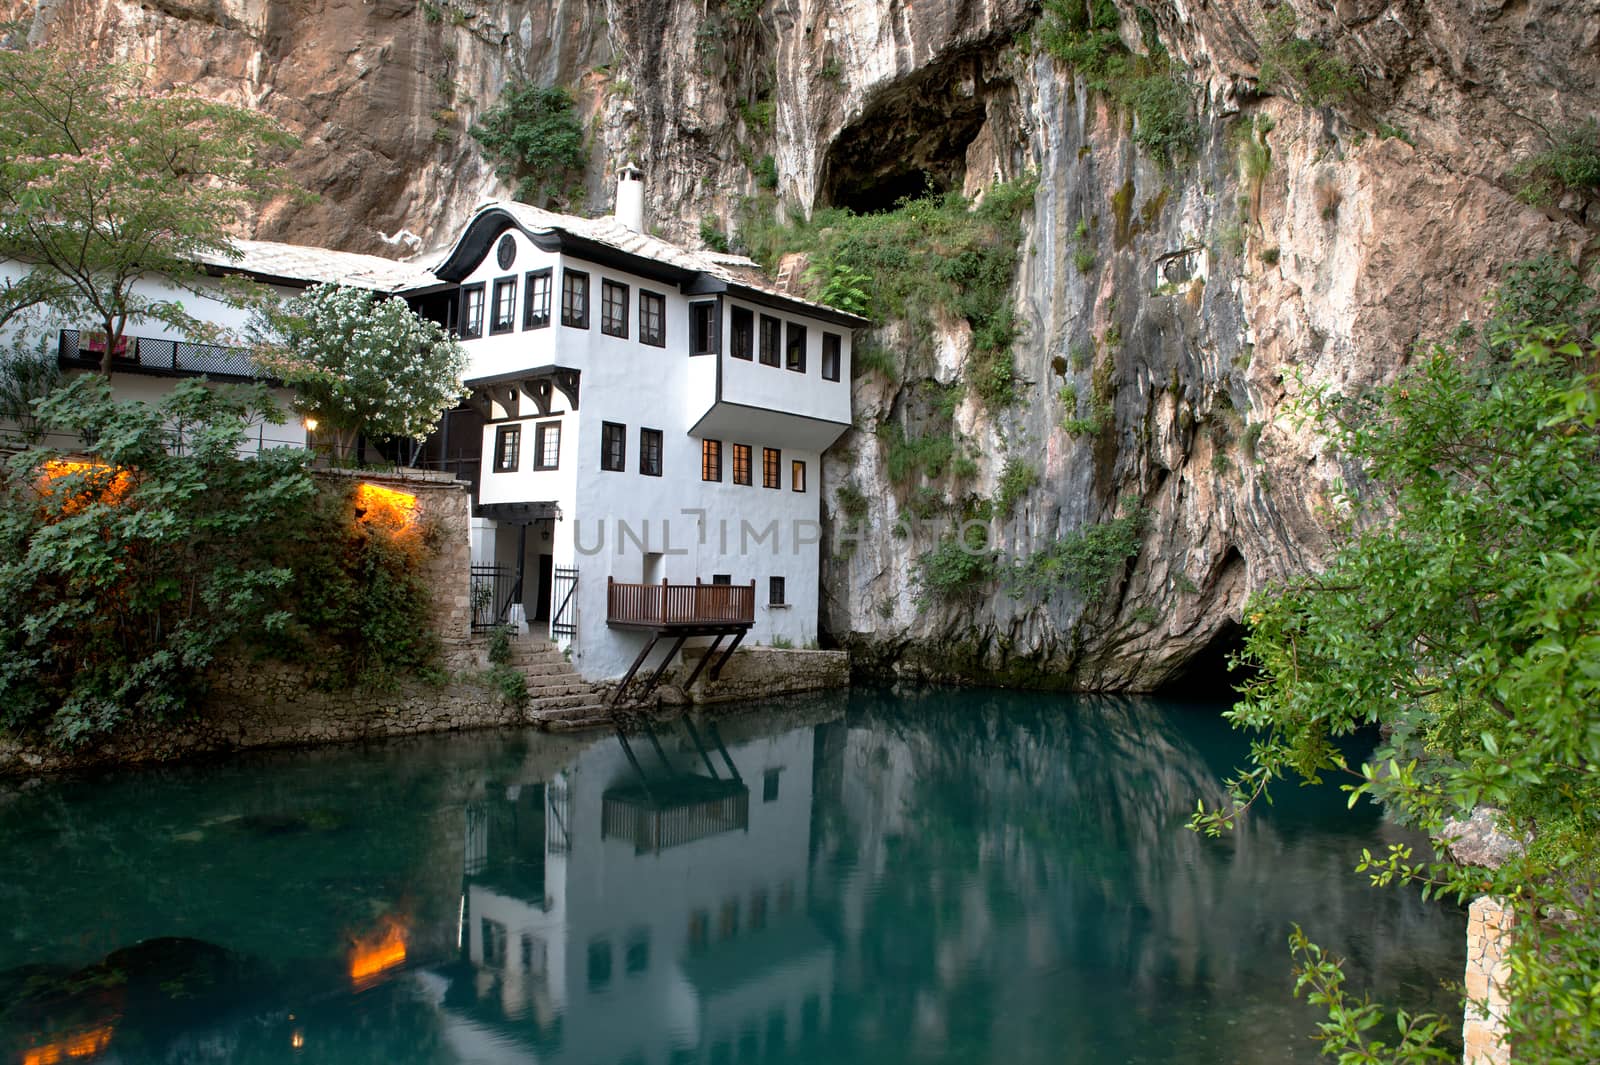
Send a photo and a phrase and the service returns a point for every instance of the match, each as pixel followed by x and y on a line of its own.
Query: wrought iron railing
pixel 563 599
pixel 493 590
pixel 680 604
pixel 86 348
pixel 653 828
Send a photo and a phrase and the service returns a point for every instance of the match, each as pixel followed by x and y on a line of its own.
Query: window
pixel 652 319
pixel 771 459
pixel 546 445
pixel 507 442
pixel 536 300
pixel 771 340
pixel 613 446
pixel 742 341
pixel 503 318
pixel 723 579
pixel 728 920
pixel 769 779
pixel 614 309
pixel 797 475
pixel 650 452
pixel 775 592
pixel 494 943
pixel 471 312
pixel 832 345
pixel 795 357
pixel 636 956
pixel 599 963
pixel 711 460
pixel 741 464
pixel 704 333
pixel 575 299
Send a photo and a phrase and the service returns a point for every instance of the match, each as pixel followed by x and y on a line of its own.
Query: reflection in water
pixel 948 876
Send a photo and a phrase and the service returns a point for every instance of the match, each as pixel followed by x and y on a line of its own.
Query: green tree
pixel 1462 617
pixel 535 138
pixel 361 365
pixel 105 180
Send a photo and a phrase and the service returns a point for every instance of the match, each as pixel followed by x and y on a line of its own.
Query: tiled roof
pixel 734 269
pixel 299 262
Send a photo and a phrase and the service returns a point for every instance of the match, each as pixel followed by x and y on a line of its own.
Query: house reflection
pixel 646 904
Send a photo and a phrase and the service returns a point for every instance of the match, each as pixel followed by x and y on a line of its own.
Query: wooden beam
pixel 637 662
pixel 567 381
pixel 716 670
pixel 702 663
pixel 539 390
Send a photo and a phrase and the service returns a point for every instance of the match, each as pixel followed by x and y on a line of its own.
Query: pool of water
pixel 960 876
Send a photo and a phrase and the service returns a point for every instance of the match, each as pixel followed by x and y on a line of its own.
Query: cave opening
pixel 910 141
pixel 1206 676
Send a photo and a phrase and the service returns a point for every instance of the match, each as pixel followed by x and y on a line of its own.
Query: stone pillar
pixel 1483 1034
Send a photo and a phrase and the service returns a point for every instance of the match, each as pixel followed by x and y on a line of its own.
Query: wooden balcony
pixel 676 607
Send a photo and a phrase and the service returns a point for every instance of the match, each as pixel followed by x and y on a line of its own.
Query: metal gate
pixel 494 589
pixel 563 602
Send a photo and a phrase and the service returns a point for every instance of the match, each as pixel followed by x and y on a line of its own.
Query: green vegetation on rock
pixel 1459 622
pixel 534 136
pixel 1315 72
pixel 1571 163
pixel 1086 560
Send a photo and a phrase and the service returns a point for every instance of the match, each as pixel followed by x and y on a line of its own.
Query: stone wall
pixel 1489 924
pixel 759 672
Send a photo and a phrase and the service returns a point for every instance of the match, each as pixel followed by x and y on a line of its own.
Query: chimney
pixel 630 197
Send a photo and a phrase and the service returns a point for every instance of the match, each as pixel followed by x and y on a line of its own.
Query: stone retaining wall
pixel 757 672
pixel 1489 924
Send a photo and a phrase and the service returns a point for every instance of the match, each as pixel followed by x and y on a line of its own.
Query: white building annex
pixel 653 426
pixel 152 356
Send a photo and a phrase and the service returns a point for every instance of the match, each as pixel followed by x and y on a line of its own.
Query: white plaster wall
pixel 779 388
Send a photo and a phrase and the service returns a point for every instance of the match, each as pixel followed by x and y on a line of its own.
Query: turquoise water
pixel 970 876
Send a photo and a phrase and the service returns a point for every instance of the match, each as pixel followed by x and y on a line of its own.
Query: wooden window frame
pixel 619 432
pixel 775 592
pixel 647 437
pixel 749 464
pixel 770 354
pixel 797 475
pixel 533 315
pixel 504 433
pixel 713 309
pixel 574 282
pixel 742 341
pixel 711 460
pixel 468 331
pixel 618 326
pixel 832 356
pixel 541 433
pixel 771 467
pixel 655 337
pixel 496 327
pixel 793 331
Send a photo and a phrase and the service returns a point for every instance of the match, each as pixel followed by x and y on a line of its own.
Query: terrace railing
pixel 85 348
pixel 680 604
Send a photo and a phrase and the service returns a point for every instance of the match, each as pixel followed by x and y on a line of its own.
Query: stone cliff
pixel 1297 243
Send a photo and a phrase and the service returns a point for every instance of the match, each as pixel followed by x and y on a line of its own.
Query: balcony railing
pixel 86 348
pixel 680 604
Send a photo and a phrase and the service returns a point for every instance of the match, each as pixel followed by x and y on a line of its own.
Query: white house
pixel 152 355
pixel 654 422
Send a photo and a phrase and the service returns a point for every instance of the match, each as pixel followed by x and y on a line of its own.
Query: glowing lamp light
pixel 377 505
pixel 374 955
pixel 311 425
pixel 298 1039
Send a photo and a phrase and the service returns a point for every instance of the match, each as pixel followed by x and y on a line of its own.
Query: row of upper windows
pixel 777 338
pixel 536 292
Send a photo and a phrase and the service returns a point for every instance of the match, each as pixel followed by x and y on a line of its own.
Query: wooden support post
pixel 694 735
pixel 716 737
pixel 738 637
pixel 637 662
pixel 702 663
pixel 662 668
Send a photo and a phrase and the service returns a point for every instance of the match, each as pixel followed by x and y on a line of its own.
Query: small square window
pixel 832 348
pixel 741 464
pixel 769 779
pixel 653 319
pixel 614 309
pixel 471 312
pixel 797 475
pixel 795 356
pixel 775 591
pixel 547 446
pixel 711 460
pixel 536 300
pixel 650 452
pixel 771 340
pixel 613 446
pixel 771 468
pixel 741 333
pixel 507 444
pixel 575 299
pixel 722 578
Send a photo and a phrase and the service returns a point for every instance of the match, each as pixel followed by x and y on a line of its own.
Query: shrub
pixel 928 455
pixel 1315 72
pixel 1017 479
pixel 712 236
pixel 952 568
pixel 869 358
pixel 1087 561
pixel 27 376
pixel 852 503
pixel 766 172
pixel 1572 162
pixel 534 135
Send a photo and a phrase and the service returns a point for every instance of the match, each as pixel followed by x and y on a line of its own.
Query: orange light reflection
pixel 378 953
pixel 84 1045
pixel 97 487
pixel 377 505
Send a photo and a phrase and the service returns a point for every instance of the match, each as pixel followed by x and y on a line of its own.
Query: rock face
pixel 1219 290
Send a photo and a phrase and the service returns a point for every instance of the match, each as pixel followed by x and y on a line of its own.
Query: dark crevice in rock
pixel 1205 675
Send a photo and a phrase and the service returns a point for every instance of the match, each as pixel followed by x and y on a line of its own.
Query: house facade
pixel 654 420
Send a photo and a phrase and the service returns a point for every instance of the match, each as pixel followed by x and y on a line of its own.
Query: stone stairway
pixel 558 699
